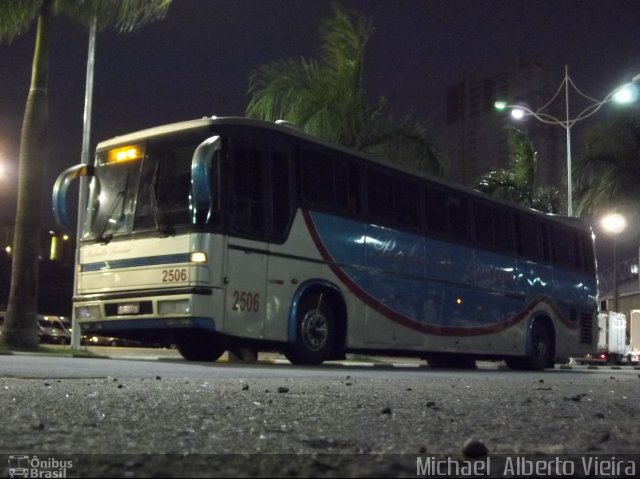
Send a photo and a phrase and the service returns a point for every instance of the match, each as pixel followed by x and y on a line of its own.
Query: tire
pixel 315 332
pixel 541 354
pixel 201 346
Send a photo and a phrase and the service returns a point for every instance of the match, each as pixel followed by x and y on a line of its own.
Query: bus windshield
pixel 142 187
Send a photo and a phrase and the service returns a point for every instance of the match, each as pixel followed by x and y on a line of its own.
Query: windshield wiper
pixel 101 235
pixel 109 219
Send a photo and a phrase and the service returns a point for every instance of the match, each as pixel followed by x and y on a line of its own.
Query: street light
pixel 627 93
pixel 615 224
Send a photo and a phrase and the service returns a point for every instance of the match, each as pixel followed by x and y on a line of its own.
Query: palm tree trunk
pixel 20 323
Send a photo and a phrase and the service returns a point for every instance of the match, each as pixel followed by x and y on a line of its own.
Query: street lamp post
pixel 615 224
pixel 627 93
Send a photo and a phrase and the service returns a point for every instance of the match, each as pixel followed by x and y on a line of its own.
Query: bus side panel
pixel 424 294
pixel 394 277
pixel 534 279
pixel 419 293
pixel 498 301
pixel 574 304
pixel 290 264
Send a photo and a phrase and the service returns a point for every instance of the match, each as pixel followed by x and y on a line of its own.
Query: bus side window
pixel 331 184
pixel 483 224
pixel 563 247
pixel 380 195
pixel 493 226
pixel 317 182
pixel 503 229
pixel 576 251
pixel 247 211
pixel 459 218
pixel 347 188
pixel 280 195
pixel 407 202
pixel 589 259
pixel 530 237
pixel 355 198
pixel 436 211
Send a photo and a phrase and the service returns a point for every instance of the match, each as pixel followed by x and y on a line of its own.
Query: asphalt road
pixel 143 418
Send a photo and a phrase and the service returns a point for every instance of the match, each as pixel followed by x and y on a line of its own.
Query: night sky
pixel 198 60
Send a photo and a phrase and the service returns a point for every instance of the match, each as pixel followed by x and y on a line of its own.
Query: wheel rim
pixel 541 349
pixel 315 330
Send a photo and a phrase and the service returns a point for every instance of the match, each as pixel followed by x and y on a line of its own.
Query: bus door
pixel 246 222
pixel 245 288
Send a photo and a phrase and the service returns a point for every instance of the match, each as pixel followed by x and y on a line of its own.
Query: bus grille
pixel 586 328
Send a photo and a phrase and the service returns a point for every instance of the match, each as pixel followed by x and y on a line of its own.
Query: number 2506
pixel 174 275
pixel 244 301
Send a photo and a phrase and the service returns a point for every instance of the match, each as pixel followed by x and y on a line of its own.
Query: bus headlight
pixel 180 306
pixel 198 257
pixel 88 312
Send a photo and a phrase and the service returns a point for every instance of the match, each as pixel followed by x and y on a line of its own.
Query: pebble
pixel 474 448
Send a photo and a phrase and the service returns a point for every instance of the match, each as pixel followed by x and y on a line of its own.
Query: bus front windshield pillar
pixel 202 196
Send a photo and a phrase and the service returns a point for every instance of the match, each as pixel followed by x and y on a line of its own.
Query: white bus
pixel 224 233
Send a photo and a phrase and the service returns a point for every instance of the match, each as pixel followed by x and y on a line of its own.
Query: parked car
pixel 66 322
pixel 97 340
pixel 108 341
pixel 51 330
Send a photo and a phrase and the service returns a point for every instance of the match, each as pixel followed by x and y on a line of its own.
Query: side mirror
pixel 202 196
pixel 60 188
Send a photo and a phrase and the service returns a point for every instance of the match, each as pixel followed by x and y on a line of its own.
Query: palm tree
pixel 517 183
pixel 324 97
pixel 15 19
pixel 607 175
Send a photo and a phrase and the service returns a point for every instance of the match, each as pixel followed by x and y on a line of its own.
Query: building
pixel 475 131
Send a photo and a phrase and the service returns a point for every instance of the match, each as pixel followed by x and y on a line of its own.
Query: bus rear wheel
pixel 315 332
pixel 541 354
pixel 201 346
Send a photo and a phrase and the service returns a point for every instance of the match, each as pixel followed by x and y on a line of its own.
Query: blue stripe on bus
pixel 136 262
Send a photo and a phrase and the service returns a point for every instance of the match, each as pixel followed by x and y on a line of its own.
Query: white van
pixel 51 330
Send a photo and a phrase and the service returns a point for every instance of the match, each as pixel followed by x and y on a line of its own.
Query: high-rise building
pixel 475 132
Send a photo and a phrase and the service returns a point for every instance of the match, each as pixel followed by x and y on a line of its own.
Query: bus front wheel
pixel 315 332
pixel 201 346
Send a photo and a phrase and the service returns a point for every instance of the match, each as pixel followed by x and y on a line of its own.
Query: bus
pixel 225 233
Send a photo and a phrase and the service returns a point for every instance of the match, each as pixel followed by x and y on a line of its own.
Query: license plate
pixel 129 308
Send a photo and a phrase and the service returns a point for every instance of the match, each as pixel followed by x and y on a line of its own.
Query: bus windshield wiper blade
pixel 109 218
pixel 107 238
